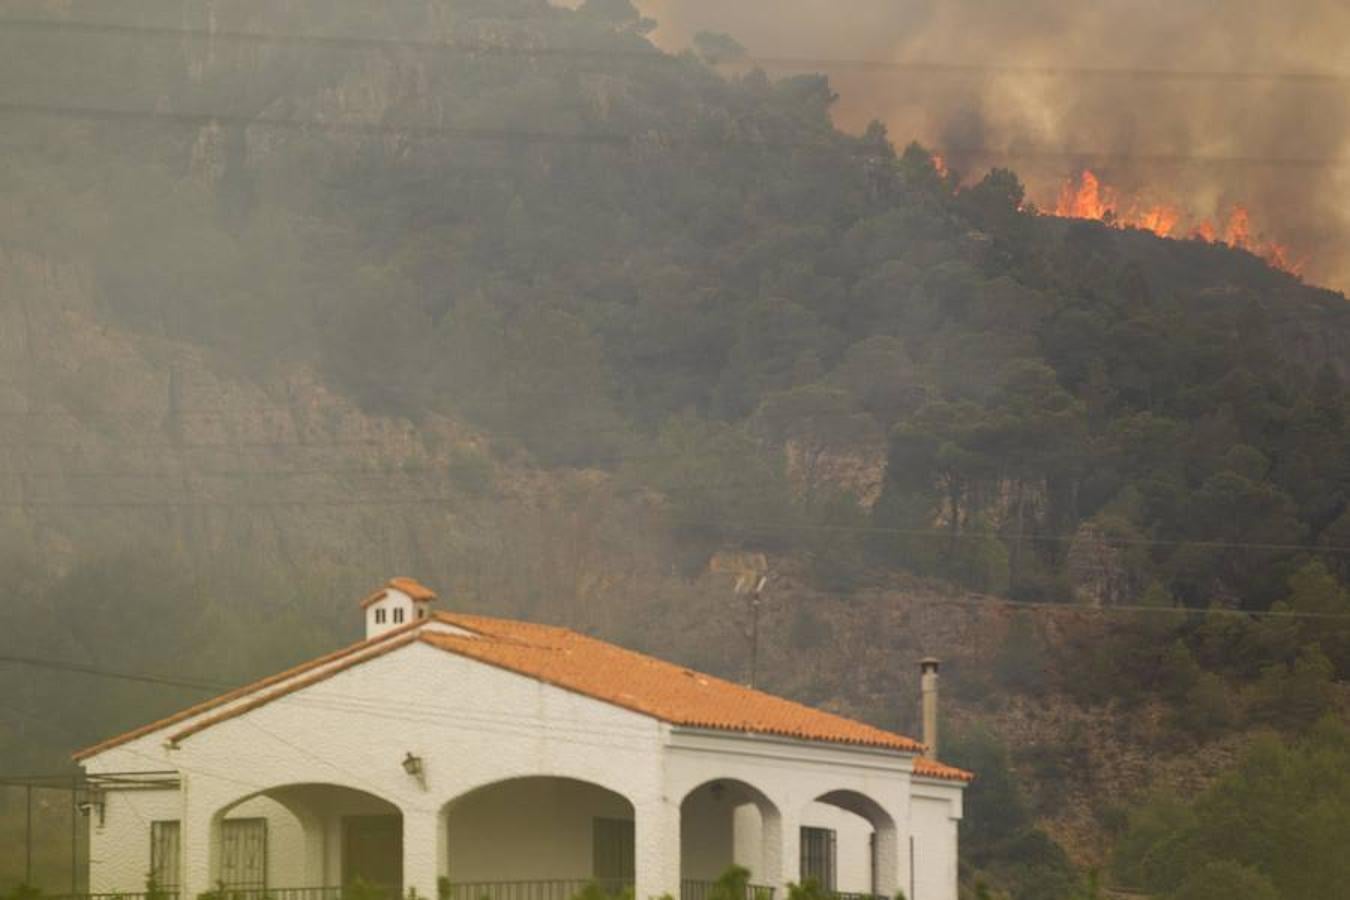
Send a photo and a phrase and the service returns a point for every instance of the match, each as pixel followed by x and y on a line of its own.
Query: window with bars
pixel 379 616
pixel 818 856
pixel 243 854
pixel 165 854
pixel 398 616
pixel 614 847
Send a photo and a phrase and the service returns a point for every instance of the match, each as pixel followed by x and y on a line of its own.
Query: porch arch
pixel 724 822
pixel 308 835
pixel 555 832
pixel 861 849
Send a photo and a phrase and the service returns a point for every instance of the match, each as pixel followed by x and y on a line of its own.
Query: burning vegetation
pixel 1086 197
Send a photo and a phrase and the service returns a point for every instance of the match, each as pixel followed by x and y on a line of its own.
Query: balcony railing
pixel 712 890
pixel 549 889
pixel 351 892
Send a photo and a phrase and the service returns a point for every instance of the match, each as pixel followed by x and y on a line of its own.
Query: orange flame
pixel 1091 200
pixel 1087 198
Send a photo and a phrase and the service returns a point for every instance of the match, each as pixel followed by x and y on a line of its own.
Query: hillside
pixel 501 296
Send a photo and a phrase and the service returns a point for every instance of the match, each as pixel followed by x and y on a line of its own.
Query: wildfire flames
pixel 1087 198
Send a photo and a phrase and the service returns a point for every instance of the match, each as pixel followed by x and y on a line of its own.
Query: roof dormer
pixel 399 602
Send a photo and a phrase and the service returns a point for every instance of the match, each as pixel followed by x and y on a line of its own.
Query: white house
pixel 496 759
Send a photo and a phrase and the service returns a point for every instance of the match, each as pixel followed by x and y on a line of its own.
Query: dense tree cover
pixel 1000 841
pixel 640 243
pixel 612 258
pixel 1269 829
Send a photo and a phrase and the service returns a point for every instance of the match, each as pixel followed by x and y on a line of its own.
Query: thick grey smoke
pixel 1149 123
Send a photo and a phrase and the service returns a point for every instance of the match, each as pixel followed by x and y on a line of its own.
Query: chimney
pixel 928 689
pixel 399 602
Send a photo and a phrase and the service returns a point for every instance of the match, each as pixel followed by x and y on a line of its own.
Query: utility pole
pixel 28 836
pixel 751 571
pixel 753 598
pixel 74 835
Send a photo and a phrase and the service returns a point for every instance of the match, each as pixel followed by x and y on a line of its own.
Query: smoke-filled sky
pixel 1030 120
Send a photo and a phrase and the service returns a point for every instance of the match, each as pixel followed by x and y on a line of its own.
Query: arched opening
pixel 726 822
pixel 539 838
pixel 307 837
pixel 848 844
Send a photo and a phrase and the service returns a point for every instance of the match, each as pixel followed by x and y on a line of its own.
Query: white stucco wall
pixel 119 846
pixel 937 810
pixel 790 777
pixel 472 724
pixel 398 608
pixel 475 725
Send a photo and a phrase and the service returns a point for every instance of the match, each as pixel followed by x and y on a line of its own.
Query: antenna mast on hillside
pixel 751 571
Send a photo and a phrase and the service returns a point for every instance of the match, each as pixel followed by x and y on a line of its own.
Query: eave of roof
pixel 419 592
pixel 413 588
pixel 291 687
pixel 650 686
pixel 691 699
pixel 931 768
pixel 238 693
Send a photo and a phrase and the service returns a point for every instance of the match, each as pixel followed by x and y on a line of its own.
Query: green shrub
pixel 1226 881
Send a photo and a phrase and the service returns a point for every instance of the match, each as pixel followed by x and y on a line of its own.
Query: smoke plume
pixel 1167 101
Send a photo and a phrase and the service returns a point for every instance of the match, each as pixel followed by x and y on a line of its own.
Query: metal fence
pixel 713 890
pixel 547 889
pixel 354 892
pixel 555 889
pixel 42 834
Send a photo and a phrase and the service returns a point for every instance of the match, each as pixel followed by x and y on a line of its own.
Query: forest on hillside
pixel 625 268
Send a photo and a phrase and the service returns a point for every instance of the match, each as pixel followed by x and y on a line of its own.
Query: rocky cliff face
pixel 106 435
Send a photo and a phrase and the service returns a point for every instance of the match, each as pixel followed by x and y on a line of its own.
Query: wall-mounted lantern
pixel 413 765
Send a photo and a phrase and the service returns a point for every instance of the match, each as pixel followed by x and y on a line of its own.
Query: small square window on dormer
pixel 421 613
pixel 379 617
pixel 398 616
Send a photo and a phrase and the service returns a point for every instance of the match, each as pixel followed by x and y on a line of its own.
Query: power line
pixel 84 669
pixel 986 535
pixel 654 55
pixel 199 119
pixel 330 42
pixel 751 527
pixel 333 702
pixel 353 702
pixel 940 67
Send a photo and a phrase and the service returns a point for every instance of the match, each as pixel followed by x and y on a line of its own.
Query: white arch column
pixel 790 844
pixel 657 848
pixel 198 835
pixel 892 861
pixel 772 848
pixel 425 846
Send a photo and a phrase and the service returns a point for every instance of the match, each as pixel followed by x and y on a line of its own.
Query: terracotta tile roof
pixel 931 768
pixel 414 589
pixel 647 685
pixel 577 663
